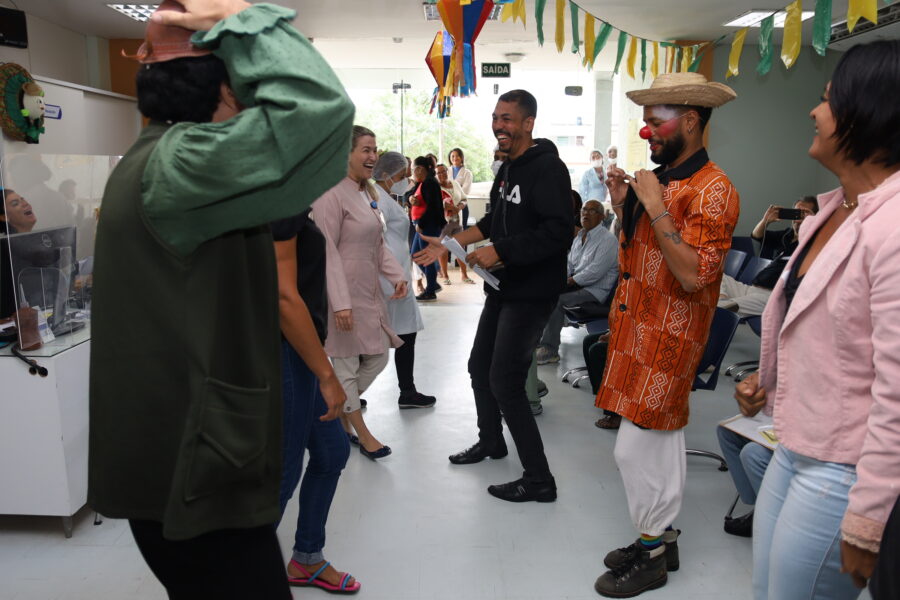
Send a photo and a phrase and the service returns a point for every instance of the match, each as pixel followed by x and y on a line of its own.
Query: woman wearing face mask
pixel 612 157
pixel 359 331
pixel 592 186
pixel 404 313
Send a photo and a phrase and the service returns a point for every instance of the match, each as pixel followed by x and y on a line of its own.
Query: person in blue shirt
pixel 592 186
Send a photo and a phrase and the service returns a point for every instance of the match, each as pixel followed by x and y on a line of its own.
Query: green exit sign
pixel 495 69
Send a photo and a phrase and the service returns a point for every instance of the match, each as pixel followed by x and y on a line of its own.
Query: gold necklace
pixel 849 205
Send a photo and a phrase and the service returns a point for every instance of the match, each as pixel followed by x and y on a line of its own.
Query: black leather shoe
pixel 524 491
pixel 417 400
pixel 476 454
pixel 740 526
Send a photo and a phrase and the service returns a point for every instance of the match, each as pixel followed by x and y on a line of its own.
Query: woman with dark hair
pixel 15 213
pixel 359 330
pixel 463 176
pixel 427 214
pixel 832 482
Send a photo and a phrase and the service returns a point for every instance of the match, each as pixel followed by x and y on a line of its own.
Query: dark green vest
pixel 185 424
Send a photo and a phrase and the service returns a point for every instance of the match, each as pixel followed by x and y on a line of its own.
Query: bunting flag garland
pixel 654 66
pixel 632 54
pixel 822 26
pixel 734 58
pixel 790 47
pixel 623 41
pixel 765 45
pixel 678 53
pixel 589 40
pixel 670 59
pixel 515 9
pixel 602 38
pixel 539 6
pixel 687 59
pixel 859 9
pixel 643 59
pixel 576 43
pixel 560 25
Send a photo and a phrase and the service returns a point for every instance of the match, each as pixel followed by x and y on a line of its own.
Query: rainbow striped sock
pixel 650 542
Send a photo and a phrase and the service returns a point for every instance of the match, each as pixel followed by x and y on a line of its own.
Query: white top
pixel 464 179
pixel 403 314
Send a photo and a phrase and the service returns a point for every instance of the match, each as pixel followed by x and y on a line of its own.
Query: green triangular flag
pixel 539 19
pixel 676 66
pixel 575 41
pixel 822 26
pixel 623 42
pixel 643 59
pixel 602 36
pixel 765 45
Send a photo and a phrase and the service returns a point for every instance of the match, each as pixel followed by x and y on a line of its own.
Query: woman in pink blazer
pixel 359 331
pixel 830 354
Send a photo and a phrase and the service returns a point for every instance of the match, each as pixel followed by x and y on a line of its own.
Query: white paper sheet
pixel 459 253
pixel 759 428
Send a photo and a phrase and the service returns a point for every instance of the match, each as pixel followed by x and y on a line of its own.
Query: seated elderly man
pixel 593 272
pixel 750 300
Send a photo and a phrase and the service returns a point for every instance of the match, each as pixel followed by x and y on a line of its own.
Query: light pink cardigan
pixel 831 365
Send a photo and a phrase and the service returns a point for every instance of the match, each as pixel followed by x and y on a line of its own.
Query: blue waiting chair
pixel 734 262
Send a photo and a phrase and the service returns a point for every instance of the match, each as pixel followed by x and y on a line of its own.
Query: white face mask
pixel 400 187
pixel 495 166
pixel 597 164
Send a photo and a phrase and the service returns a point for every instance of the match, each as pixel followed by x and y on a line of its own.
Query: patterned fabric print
pixel 656 343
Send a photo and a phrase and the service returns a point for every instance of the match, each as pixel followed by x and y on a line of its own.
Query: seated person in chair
pixel 750 300
pixel 593 272
pixel 747 462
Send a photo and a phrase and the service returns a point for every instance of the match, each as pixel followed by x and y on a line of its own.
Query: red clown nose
pixel 645 133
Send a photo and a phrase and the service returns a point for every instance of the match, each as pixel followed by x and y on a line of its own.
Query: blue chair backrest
pixel 721 332
pixel 744 244
pixel 752 269
pixel 734 262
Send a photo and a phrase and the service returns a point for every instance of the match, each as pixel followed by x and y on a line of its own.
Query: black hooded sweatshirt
pixel 531 224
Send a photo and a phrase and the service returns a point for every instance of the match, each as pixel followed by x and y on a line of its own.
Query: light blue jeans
pixel 797 530
pixel 747 462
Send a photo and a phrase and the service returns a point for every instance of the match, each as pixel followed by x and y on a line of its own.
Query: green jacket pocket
pixel 229 447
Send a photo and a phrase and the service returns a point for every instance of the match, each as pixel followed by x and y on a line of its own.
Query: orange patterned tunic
pixel 658 331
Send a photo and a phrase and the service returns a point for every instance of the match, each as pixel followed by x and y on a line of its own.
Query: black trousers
pixel 404 361
pixel 595 360
pixel 231 564
pixel 507 335
pixel 885 582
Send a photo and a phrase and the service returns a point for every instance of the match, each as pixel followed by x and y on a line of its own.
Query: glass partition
pixel 51 203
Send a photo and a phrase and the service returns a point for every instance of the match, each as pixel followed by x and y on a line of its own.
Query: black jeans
pixel 404 361
pixel 507 335
pixel 595 360
pixel 230 564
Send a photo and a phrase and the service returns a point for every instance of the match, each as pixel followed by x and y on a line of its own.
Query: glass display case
pixel 51 204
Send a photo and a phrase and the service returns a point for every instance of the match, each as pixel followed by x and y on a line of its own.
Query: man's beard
pixel 670 150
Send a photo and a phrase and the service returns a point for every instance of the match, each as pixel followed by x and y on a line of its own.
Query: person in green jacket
pixel 248 125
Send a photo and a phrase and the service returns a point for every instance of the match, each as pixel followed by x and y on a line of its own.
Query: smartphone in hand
pixel 790 214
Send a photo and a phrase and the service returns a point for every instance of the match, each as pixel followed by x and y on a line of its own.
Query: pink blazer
pixel 355 256
pixel 831 364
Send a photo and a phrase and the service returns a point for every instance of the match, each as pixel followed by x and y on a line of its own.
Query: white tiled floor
pixel 413 526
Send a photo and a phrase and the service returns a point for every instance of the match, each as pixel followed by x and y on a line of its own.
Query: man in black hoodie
pixel 531 230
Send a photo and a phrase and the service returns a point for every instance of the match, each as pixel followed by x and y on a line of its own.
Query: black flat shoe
pixel 380 453
pixel 417 400
pixel 476 454
pixel 524 491
pixel 740 526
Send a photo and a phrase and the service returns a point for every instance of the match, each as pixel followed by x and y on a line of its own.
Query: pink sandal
pixel 314 581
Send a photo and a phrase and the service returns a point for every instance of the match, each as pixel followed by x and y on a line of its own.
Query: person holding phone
pixel 782 241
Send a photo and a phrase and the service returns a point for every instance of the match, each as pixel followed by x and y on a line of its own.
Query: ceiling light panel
pixel 432 13
pixel 138 12
pixel 753 18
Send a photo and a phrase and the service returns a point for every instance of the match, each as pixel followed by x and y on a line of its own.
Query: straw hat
pixel 166 42
pixel 683 88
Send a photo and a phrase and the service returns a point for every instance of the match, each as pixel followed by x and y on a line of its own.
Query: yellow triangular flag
pixel 790 47
pixel 560 25
pixel 654 66
pixel 632 55
pixel 670 58
pixel 687 59
pixel 734 59
pixel 861 8
pixel 516 10
pixel 590 39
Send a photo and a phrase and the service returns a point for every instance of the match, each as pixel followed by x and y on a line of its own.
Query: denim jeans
pixel 747 462
pixel 328 448
pixel 431 270
pixel 553 330
pixel 797 529
pixel 504 346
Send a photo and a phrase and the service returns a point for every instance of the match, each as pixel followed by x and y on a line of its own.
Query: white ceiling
pixel 357 33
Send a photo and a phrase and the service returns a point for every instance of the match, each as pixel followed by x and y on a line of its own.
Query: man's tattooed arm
pixel 674 236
